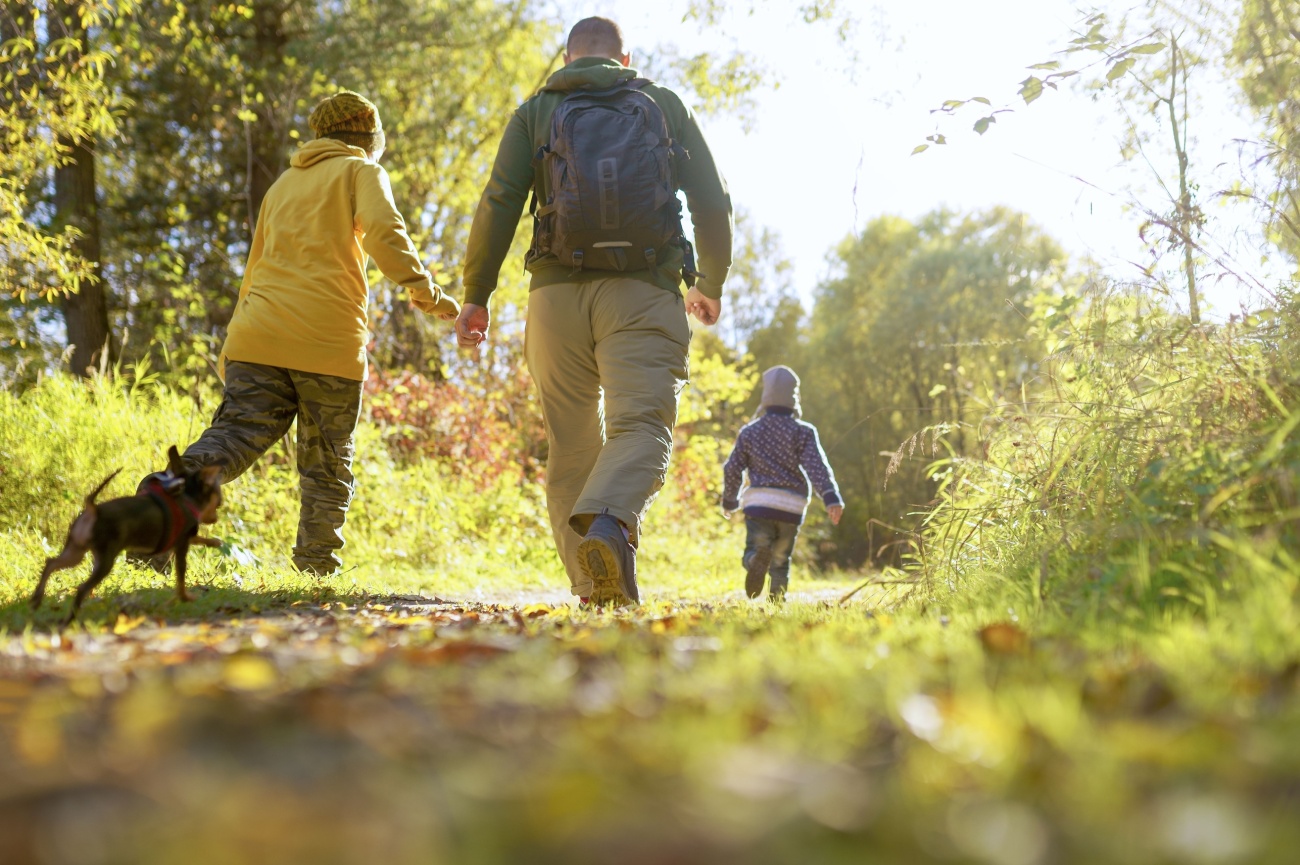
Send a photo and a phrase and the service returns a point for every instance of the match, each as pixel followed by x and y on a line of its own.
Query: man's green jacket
pixel 514 176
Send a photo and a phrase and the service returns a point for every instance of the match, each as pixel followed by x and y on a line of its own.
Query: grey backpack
pixel 612 190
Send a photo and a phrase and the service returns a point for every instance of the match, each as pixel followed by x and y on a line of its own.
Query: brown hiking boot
pixel 608 560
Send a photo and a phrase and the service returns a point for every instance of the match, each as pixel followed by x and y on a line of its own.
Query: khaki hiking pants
pixel 259 404
pixel 609 359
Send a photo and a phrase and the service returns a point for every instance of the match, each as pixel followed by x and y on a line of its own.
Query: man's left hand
pixel 472 325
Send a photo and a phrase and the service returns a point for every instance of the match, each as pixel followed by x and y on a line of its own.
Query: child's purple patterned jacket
pixel 782 454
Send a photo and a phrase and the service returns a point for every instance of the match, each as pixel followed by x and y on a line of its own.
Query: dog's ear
pixel 174 464
pixel 210 475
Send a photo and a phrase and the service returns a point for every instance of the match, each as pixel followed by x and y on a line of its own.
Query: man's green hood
pixel 596 73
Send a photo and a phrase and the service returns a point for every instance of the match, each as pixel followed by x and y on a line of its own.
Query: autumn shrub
pixel 1150 464
pixel 486 427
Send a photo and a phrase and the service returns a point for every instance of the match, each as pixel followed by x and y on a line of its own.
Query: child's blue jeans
pixel 777 536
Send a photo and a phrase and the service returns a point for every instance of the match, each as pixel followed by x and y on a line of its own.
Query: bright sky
pixel 831 146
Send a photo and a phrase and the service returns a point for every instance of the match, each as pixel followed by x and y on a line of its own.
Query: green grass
pixel 280 719
pixel 363 730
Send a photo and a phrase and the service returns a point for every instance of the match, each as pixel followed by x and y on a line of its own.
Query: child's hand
pixel 835 512
pixel 445 307
pixel 450 309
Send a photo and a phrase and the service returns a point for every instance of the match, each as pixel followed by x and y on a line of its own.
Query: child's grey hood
pixel 780 390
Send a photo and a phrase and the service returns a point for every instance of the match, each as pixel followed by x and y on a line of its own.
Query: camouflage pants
pixel 259 405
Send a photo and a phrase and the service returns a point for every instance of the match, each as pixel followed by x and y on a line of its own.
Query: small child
pixel 296 345
pixel 781 454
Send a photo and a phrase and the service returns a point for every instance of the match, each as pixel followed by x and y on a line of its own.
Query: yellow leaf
pixel 126 624
pixel 249 673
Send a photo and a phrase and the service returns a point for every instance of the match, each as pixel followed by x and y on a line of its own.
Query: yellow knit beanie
pixel 345 111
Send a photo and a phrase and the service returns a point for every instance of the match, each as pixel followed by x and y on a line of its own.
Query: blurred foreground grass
pixel 336 728
pixel 441 703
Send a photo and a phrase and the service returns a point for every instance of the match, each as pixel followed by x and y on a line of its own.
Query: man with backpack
pixel 603 153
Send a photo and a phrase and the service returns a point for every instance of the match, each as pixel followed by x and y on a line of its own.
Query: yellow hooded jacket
pixel 303 302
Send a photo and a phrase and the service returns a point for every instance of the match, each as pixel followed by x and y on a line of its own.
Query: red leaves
pixel 457 651
pixel 489 432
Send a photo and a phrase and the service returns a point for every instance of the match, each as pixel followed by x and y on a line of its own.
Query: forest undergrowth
pixel 1089 654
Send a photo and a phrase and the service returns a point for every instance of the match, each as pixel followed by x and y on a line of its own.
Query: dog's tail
pixel 90 499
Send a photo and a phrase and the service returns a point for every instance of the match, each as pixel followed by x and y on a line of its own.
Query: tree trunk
pixel 265 138
pixel 86 311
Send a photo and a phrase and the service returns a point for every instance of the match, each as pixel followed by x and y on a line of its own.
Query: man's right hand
pixel 706 309
pixel 472 325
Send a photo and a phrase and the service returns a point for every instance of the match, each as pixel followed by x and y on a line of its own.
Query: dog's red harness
pixel 180 514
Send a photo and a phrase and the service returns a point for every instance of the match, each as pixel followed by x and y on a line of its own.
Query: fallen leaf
pixel 456 650
pixel 125 624
pixel 249 673
pixel 1003 638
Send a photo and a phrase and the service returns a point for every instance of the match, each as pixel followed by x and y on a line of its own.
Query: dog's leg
pixel 74 548
pixel 103 564
pixel 215 543
pixel 69 558
pixel 182 552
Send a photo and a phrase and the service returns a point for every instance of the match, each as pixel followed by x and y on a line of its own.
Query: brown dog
pixel 166 515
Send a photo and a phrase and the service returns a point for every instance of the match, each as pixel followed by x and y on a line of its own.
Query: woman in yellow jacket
pixel 296 345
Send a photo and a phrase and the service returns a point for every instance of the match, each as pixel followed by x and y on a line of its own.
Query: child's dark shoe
pixel 608 560
pixel 756 571
pixel 776 590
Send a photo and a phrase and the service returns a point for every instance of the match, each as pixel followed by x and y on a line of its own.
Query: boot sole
pixel 756 575
pixel 599 564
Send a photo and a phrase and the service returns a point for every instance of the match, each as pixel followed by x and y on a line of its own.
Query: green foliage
pixel 1154 102
pixel 715 82
pixel 54 95
pixel 1266 57
pixel 1149 465
pixel 228 89
pixel 922 328
pixel 1102 50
